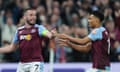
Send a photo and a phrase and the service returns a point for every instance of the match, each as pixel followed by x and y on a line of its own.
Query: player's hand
pixel 63 42
pixel 54 32
pixel 63 36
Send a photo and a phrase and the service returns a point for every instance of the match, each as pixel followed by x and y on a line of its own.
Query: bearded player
pixel 28 37
pixel 97 41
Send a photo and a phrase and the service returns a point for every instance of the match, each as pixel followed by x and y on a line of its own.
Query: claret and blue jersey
pixel 29 40
pixel 100 48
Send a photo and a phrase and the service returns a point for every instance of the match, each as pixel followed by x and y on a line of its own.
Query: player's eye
pixel 89 18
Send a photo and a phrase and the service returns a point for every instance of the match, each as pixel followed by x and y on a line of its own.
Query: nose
pixel 34 17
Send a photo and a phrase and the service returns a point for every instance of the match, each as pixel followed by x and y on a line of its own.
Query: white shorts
pixel 30 67
pixel 96 70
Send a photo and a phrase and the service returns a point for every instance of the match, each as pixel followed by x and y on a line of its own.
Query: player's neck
pixel 28 25
pixel 98 25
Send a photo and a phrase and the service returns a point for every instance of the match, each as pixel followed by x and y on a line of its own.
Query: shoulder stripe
pixel 102 28
pixel 21 27
pixel 36 25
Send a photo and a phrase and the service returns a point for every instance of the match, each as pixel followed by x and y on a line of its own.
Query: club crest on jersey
pixel 106 32
pixel 26 37
pixel 20 32
pixel 33 30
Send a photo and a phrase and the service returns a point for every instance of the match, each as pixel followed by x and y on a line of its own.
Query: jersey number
pixel 36 67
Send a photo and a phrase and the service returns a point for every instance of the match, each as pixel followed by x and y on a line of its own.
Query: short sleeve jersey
pixel 30 42
pixel 100 48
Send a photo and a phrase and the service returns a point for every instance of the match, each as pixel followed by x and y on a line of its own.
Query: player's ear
pixel 24 17
pixel 96 20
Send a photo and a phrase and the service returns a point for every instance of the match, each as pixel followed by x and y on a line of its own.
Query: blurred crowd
pixel 70 17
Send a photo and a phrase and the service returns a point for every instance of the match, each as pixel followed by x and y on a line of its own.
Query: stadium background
pixel 70 17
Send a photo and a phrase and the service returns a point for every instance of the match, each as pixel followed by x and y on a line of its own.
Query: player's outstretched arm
pixel 8 48
pixel 45 32
pixel 83 48
pixel 48 35
pixel 75 40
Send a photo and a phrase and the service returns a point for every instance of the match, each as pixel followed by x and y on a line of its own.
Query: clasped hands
pixel 63 39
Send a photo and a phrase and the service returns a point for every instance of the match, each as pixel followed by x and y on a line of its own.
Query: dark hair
pixel 98 15
pixel 25 10
pixel 28 9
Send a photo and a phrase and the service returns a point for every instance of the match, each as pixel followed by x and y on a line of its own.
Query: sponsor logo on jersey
pixel 26 37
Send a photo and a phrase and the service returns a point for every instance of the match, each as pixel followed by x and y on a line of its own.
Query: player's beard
pixel 28 22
